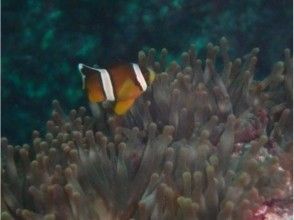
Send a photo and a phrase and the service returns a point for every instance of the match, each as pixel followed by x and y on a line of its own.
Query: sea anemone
pixel 198 144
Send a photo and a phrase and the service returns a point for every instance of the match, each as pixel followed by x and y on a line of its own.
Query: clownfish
pixel 121 84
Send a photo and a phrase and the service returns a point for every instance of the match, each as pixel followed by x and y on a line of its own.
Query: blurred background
pixel 43 41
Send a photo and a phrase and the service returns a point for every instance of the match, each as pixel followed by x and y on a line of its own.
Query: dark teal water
pixel 43 41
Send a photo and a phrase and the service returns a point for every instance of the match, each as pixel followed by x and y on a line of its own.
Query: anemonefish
pixel 121 84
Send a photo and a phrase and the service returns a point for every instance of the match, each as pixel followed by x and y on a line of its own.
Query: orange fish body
pixel 122 84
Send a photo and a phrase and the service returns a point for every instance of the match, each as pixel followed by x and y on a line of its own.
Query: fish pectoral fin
pixel 95 109
pixel 121 107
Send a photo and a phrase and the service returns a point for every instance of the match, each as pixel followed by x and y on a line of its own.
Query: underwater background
pixel 210 138
pixel 43 41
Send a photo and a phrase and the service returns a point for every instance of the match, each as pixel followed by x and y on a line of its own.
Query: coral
pixel 199 144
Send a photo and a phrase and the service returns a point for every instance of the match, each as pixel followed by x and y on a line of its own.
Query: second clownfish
pixel 122 84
